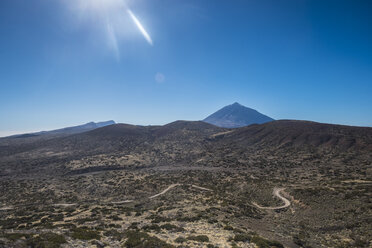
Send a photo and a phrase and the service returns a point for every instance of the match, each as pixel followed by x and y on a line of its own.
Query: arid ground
pixel 189 184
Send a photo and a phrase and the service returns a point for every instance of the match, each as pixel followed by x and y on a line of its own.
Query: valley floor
pixel 185 207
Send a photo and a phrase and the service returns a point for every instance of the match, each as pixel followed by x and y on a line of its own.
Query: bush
pixel 153 227
pixel 264 243
pixel 136 239
pixel 242 237
pixel 180 240
pixel 158 219
pixel 15 236
pixel 170 227
pixel 47 240
pixel 199 238
pixel 211 246
pixel 85 234
pixel 228 227
pixel 115 217
pixel 114 234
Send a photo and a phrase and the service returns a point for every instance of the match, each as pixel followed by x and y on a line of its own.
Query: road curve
pixel 64 204
pixel 165 191
pixel 201 188
pixel 276 192
pixel 121 202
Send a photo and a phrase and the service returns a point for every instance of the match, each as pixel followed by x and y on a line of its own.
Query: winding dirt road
pixel 165 191
pixel 276 192
pixel 121 202
pixel 5 208
pixel 64 204
pixel 201 188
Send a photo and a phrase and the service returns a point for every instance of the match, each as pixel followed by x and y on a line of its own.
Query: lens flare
pixel 140 27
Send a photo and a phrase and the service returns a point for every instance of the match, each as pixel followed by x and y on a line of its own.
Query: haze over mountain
pixel 236 115
pixel 68 130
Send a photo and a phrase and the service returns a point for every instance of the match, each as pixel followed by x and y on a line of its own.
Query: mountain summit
pixel 236 115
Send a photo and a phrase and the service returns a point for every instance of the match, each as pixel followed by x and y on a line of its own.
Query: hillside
pixel 296 182
pixel 301 134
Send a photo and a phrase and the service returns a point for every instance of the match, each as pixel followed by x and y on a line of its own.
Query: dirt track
pixel 276 192
pixel 165 191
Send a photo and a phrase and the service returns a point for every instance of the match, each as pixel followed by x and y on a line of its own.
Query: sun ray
pixel 140 27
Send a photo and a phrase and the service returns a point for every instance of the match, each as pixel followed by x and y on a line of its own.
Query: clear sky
pixel 68 62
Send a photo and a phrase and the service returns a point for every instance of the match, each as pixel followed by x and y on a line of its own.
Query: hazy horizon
pixel 6 133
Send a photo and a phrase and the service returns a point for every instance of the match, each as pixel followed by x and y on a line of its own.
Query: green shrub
pixel 242 237
pixel 180 240
pixel 264 243
pixel 211 246
pixel 85 234
pixel 46 240
pixel 199 238
pixel 152 227
pixel 171 227
pixel 158 219
pixel 114 234
pixel 133 225
pixel 115 217
pixel 15 236
pixel 228 227
pixel 136 239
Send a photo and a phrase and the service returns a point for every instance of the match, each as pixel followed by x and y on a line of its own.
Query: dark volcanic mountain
pixel 188 141
pixel 236 115
pixel 301 135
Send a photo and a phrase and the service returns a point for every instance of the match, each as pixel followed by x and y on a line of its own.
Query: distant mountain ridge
pixel 67 130
pixel 191 139
pixel 236 115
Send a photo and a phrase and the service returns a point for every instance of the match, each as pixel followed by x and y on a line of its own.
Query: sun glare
pixel 110 20
pixel 140 27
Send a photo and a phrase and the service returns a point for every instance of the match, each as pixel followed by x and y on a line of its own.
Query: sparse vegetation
pixel 77 199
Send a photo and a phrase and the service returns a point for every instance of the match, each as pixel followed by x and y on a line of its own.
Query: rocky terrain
pixel 189 184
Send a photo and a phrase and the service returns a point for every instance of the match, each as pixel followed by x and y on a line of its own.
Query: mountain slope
pixel 236 115
pixel 301 134
pixel 67 130
pixel 222 174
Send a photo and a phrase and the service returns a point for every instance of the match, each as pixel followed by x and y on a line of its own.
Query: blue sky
pixel 67 62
